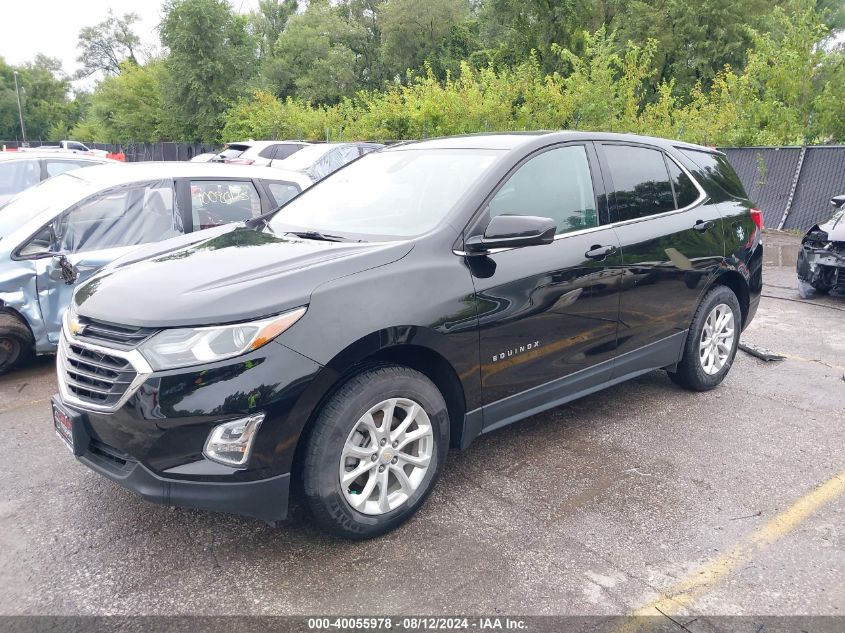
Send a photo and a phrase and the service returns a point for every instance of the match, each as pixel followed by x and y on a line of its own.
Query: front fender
pixel 19 295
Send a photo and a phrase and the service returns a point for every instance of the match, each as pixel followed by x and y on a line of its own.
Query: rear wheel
pixel 15 341
pixel 711 343
pixel 375 452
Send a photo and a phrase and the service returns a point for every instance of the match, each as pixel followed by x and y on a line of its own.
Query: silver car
pixel 20 170
pixel 61 231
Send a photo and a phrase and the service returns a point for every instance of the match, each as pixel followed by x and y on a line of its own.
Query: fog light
pixel 231 443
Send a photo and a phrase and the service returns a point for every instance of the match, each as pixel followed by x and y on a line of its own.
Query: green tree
pixel 268 22
pixel 128 107
pixel 315 57
pixel 48 110
pixel 105 46
pixel 418 31
pixel 211 59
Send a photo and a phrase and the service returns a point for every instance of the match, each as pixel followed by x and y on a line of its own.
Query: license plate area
pixel 69 428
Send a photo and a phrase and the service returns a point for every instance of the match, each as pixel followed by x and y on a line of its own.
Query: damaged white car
pixel 821 260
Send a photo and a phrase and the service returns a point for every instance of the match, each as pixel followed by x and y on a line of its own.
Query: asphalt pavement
pixel 639 498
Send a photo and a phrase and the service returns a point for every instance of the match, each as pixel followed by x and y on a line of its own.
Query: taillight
pixel 239 161
pixel 757 216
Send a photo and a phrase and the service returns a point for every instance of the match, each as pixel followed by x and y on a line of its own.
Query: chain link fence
pixel 791 185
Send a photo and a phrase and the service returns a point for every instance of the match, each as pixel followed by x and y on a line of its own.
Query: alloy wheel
pixel 386 456
pixel 717 339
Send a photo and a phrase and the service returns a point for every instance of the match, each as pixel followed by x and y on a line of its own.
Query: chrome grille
pixel 96 377
pixel 109 334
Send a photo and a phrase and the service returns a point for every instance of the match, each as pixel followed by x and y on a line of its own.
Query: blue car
pixel 60 232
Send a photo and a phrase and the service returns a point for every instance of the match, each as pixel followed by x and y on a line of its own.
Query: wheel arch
pixel 386 347
pixel 739 285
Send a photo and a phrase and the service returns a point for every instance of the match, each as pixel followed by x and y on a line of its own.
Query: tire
pixel 344 440
pixel 15 342
pixel 702 369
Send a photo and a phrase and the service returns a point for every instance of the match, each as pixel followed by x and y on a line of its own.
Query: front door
pixel 547 314
pixel 96 232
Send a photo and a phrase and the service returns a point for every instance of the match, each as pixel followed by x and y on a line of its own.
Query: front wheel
pixel 375 452
pixel 711 343
pixel 15 341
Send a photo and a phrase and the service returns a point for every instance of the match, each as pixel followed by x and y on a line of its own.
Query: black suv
pixel 419 297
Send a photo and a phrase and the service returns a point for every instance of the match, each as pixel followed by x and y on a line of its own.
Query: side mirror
pixel 513 231
pixel 838 201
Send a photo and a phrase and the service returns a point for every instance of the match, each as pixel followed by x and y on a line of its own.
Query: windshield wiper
pixel 316 235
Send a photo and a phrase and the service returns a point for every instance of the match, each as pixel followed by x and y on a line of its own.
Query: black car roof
pixel 514 140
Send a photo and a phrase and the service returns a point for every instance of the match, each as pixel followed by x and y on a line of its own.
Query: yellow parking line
pixel 683 593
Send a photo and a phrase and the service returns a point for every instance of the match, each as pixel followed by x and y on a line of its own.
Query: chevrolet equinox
pixel 416 299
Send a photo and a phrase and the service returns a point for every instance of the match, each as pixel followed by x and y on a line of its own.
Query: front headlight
pixel 182 347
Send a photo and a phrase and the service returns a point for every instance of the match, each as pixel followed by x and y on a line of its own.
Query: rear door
pixel 215 201
pixel 547 314
pixel 96 232
pixel 671 238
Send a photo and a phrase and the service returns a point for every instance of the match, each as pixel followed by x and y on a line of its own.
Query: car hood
pixel 235 275
pixel 835 227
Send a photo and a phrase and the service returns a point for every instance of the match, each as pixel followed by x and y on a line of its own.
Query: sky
pixel 52 26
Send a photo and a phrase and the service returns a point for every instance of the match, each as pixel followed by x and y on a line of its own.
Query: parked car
pixel 207 157
pixel 390 312
pixel 319 160
pixel 60 232
pixel 22 170
pixel 75 147
pixel 258 152
pixel 821 260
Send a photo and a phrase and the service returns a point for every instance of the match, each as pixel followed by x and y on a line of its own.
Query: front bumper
pixel 152 442
pixel 265 499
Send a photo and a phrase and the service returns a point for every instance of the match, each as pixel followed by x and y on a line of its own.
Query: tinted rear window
pixel 718 169
pixel 685 191
pixel 233 151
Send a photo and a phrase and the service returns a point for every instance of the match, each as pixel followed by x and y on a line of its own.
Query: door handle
pixel 600 253
pixel 702 226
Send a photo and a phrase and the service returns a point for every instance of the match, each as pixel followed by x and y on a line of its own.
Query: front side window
pixel 640 181
pixel 216 202
pixel 124 216
pixel 17 175
pixel 555 184
pixel 394 194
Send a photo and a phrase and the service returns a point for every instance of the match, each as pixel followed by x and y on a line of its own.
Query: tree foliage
pixel 105 46
pixel 211 58
pixel 714 71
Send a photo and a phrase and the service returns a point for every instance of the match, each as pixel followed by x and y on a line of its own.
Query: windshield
pixel 400 193
pixel 64 189
pixel 307 156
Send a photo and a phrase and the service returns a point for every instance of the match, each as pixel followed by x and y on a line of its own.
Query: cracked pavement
pixel 594 508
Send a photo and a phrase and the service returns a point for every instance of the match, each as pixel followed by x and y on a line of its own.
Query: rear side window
pixel 555 184
pixel 287 149
pixel 17 175
pixel 640 181
pixel 718 169
pixel 282 191
pixel 685 191
pixel 216 202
